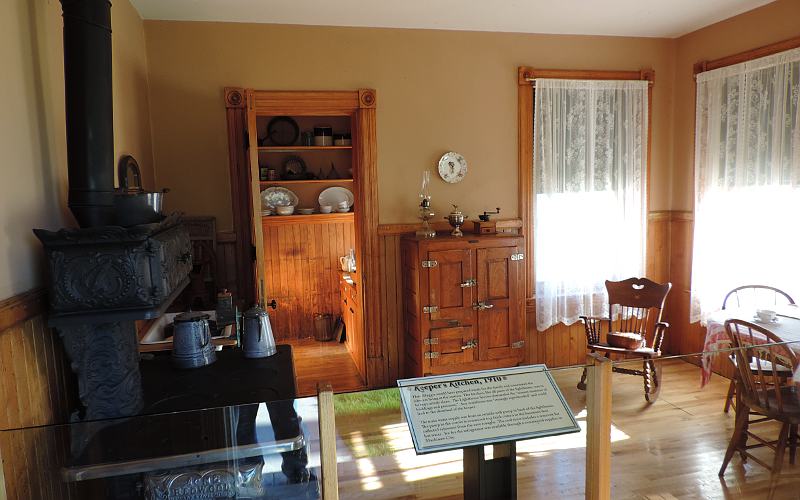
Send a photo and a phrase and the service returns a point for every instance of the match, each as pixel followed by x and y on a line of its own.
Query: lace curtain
pixel 747 180
pixel 590 163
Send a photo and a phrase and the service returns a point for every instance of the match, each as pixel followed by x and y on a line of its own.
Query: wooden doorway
pixel 294 259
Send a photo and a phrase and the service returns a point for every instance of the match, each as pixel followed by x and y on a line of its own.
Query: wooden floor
pixel 316 362
pixel 668 450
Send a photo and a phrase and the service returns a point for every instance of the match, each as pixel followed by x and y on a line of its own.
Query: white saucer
pixel 758 320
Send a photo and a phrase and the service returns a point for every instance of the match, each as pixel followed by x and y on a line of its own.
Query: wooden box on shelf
pixel 464 303
pixel 485 226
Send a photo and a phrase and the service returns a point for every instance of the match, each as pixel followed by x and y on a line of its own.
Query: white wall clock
pixel 452 167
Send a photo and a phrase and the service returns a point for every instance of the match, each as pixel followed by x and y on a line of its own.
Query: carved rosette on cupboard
pixel 464 303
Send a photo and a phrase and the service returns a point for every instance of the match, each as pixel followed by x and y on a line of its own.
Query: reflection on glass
pixel 266 450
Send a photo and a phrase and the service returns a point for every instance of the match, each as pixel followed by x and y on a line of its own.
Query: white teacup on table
pixel 766 315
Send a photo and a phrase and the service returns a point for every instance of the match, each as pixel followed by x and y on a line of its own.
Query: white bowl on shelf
pixel 285 210
pixel 342 210
pixel 325 209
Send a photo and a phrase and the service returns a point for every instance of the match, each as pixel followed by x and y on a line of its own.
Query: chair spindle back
pixel 639 302
pixel 756 296
pixel 759 356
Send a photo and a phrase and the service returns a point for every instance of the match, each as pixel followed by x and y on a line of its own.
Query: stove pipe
pixel 89 110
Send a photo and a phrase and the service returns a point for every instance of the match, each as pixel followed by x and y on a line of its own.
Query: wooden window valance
pixel 748 55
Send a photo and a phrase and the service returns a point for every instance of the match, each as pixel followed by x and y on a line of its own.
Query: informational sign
pixel 447 412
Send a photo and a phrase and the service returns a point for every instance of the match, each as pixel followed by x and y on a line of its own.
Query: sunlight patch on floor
pixel 542 446
pixel 366 468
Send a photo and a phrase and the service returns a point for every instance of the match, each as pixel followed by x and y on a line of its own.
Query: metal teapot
pixel 191 341
pixel 257 339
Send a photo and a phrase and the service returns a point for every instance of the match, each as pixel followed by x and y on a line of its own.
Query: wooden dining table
pixel 786 327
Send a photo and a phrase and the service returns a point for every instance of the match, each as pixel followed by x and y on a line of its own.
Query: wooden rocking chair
pixel 639 303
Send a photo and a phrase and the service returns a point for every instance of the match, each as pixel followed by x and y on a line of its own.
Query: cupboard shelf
pixel 293 149
pixel 305 181
pixel 334 218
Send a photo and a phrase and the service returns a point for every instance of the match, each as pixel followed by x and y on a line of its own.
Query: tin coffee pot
pixel 257 339
pixel 191 341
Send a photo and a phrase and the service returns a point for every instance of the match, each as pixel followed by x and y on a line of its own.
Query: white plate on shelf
pixel 333 195
pixel 278 197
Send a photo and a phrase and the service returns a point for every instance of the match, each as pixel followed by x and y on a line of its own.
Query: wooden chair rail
pixel 22 307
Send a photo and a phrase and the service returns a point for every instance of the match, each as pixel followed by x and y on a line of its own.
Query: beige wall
pixel 769 24
pixel 131 95
pixel 33 192
pixel 437 91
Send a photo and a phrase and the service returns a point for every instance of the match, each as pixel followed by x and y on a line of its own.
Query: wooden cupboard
pixel 464 303
pixel 294 259
pixel 353 318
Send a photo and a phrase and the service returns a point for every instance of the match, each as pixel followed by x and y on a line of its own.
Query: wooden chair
pixel 639 303
pixel 763 391
pixel 753 296
pixel 756 296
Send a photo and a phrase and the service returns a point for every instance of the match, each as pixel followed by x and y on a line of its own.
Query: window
pixel 747 179
pixel 589 192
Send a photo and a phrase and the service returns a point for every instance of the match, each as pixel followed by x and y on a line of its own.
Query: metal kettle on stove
pixel 191 340
pixel 257 339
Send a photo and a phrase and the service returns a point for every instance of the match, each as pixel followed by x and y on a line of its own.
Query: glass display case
pixel 358 445
pixel 259 451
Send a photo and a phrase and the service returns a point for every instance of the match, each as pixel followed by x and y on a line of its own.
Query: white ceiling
pixel 650 18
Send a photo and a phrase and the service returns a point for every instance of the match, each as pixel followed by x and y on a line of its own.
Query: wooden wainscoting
pixel 302 263
pixel 685 337
pixel 391 287
pixel 559 345
pixel 36 388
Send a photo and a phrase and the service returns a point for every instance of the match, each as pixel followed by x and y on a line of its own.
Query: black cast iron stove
pixel 103 277
pixel 101 280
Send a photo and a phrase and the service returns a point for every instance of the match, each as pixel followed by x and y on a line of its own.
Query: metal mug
pixel 191 340
pixel 257 339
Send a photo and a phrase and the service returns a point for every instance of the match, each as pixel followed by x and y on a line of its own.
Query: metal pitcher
pixel 257 339
pixel 191 341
